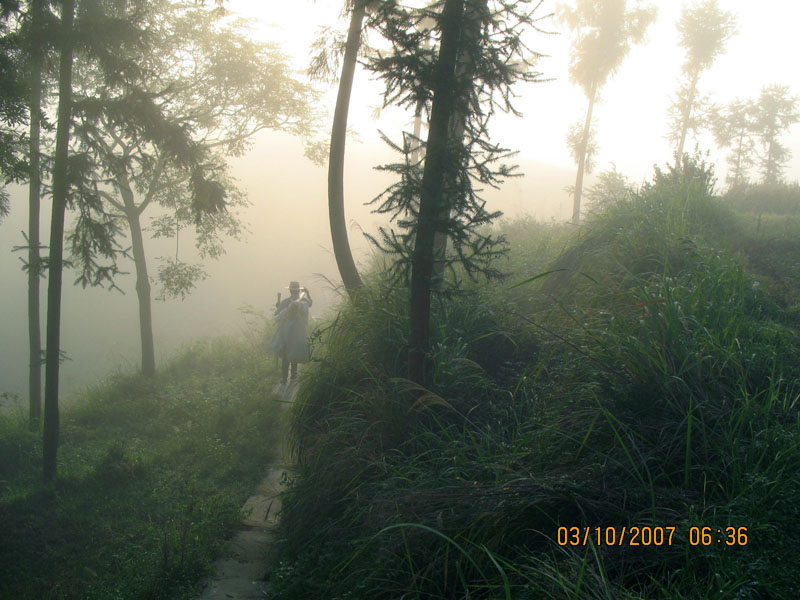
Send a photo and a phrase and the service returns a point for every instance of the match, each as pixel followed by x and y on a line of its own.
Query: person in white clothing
pixel 290 341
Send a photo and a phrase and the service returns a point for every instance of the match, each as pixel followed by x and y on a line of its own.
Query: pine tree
pixel 465 79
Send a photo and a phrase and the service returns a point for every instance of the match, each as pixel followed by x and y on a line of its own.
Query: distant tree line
pixel 751 130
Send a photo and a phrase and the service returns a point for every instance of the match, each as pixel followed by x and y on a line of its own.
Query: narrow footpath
pixel 239 572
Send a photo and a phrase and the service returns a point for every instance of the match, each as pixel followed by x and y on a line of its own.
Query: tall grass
pixel 152 475
pixel 645 380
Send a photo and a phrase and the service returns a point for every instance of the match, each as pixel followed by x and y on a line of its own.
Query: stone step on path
pixel 239 572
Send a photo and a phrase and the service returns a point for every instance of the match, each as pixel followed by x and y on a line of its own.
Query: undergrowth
pixel 640 377
pixel 152 473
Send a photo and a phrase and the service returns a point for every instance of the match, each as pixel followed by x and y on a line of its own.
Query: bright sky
pixel 630 120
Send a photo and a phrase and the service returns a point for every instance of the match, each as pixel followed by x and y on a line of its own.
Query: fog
pixel 289 238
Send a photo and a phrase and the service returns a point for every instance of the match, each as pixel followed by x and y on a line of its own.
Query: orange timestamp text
pixel 649 535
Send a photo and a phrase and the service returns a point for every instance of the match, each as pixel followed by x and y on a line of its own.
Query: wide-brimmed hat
pixel 293 285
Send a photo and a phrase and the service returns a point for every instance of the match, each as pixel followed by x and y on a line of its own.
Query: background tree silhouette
pixel 603 33
pixel 733 128
pixel 206 82
pixel 774 113
pixel 704 29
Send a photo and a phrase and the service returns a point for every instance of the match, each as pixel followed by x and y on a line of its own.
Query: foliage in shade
pixel 153 474
pixel 13 107
pixel 4 204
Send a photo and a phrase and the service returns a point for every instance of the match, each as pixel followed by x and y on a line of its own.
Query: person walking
pixel 290 342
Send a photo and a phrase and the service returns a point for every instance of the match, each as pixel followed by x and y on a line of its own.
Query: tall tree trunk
pixel 34 190
pixel 686 115
pixel 416 155
pixel 587 127
pixel 341 245
pixel 60 185
pixel 132 214
pixel 438 163
pixel 469 34
pixel 440 237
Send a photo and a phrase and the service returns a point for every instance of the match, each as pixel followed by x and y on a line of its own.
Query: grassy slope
pixel 646 381
pixel 151 478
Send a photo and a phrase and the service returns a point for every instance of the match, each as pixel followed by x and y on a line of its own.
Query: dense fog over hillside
pixel 289 236
pixel 288 239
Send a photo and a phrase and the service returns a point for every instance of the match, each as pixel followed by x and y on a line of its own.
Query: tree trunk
pixel 60 185
pixel 685 123
pixel 142 280
pixel 440 237
pixel 587 127
pixel 416 155
pixel 341 245
pixel 34 190
pixel 438 164
pixel 470 32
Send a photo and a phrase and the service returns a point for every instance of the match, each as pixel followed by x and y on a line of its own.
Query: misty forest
pixel 384 299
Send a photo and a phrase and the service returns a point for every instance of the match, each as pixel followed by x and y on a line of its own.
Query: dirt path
pixel 239 572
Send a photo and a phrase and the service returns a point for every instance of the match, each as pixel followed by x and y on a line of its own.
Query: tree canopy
pixel 603 33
